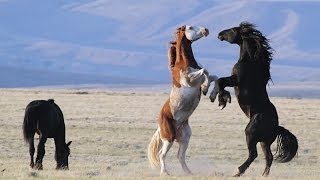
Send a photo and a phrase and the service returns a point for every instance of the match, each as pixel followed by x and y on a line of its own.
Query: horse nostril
pixel 206 31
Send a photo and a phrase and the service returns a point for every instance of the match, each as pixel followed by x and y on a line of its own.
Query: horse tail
pixel 28 125
pixel 51 100
pixel 154 148
pixel 287 145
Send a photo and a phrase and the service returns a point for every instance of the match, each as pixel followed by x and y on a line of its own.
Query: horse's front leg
pixel 220 84
pixel 207 81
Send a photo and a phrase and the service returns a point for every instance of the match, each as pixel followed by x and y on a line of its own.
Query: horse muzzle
pixel 221 37
pixel 205 32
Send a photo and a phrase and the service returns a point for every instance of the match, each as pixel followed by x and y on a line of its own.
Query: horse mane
pixel 177 43
pixel 172 55
pixel 263 52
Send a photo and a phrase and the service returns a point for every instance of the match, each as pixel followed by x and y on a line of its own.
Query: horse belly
pixel 183 101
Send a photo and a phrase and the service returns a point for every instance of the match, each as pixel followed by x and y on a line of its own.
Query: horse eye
pixel 190 28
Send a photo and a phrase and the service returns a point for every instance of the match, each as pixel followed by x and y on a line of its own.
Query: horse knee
pixel 188 133
pixel 183 136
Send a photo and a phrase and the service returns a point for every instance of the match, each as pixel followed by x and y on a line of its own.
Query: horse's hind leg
pixel 184 134
pixel 251 139
pixel 40 152
pixel 269 157
pixel 31 151
pixel 163 152
pixel 252 156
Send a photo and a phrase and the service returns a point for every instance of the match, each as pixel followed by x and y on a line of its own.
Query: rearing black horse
pixel 249 78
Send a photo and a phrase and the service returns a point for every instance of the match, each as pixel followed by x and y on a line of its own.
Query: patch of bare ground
pixel 110 133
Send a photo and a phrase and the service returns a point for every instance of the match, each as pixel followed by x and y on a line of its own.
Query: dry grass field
pixel 111 131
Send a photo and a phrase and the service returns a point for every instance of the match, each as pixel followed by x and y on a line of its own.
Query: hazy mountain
pixel 101 41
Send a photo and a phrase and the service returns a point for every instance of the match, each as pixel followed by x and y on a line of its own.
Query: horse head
pixel 62 156
pixel 180 53
pixel 232 35
pixel 191 33
pixel 254 46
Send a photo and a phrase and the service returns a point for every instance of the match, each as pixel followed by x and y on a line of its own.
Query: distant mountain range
pixel 17 77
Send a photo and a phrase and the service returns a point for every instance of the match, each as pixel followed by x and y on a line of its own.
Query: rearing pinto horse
pixel 187 78
pixel 249 78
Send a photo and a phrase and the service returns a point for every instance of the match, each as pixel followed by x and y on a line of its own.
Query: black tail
pixel 287 145
pixel 51 100
pixel 28 126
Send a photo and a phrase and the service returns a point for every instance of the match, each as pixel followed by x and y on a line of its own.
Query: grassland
pixel 111 130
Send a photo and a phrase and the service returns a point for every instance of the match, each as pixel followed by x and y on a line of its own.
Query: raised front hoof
pixel 224 97
pixel 213 96
pixel 38 166
pixel 204 90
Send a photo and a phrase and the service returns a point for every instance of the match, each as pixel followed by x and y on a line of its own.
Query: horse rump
pixel 287 145
pixel 33 110
pixel 29 125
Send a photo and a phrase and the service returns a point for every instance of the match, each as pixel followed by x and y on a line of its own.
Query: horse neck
pixel 247 54
pixel 185 55
pixel 247 51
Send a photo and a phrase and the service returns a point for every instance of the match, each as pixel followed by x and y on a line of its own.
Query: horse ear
pixel 68 144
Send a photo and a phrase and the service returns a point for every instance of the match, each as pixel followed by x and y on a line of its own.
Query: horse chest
pixel 183 101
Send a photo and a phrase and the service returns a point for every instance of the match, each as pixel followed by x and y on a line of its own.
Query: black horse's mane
pixel 264 51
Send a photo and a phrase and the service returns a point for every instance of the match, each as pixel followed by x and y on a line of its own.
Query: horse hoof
pixel 38 166
pixel 265 174
pixel 62 168
pixel 239 173
pixel 164 173
pixel 31 166
pixel 212 98
pixel 222 106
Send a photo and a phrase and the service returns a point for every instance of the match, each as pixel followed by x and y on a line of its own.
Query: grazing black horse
pixel 249 78
pixel 46 119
